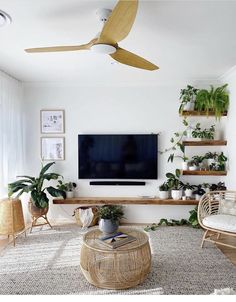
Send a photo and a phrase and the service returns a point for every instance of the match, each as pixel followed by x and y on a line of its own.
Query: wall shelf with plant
pixel 204 173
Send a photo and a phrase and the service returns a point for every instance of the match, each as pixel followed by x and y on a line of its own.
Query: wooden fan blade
pixel 62 48
pixel 120 22
pixel 125 57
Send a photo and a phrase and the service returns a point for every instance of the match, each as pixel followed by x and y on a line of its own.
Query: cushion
pixel 221 222
pixel 227 207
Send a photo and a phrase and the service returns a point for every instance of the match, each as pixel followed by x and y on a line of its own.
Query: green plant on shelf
pixel 207 133
pixel 214 99
pixel 187 96
pixel 173 180
pixel 164 187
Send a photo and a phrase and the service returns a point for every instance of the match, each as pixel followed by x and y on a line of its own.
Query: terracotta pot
pixel 35 211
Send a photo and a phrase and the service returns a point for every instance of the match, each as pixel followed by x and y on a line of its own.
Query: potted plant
pixel 188 189
pixel 187 98
pixel 221 160
pixel 215 99
pixel 38 204
pixel 198 161
pixel 164 191
pixel 175 184
pixel 205 134
pixel 199 192
pixel 110 216
pixel 68 188
pixel 206 186
pixel 211 158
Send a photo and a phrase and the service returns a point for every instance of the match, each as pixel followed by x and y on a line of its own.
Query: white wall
pixel 109 110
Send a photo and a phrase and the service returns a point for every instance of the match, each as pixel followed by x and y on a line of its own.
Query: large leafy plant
pixel 187 95
pixel 173 181
pixel 35 186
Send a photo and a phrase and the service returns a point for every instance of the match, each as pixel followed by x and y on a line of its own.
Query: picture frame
pixel 53 148
pixel 52 121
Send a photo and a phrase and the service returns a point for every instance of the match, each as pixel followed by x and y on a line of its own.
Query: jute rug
pixel 47 262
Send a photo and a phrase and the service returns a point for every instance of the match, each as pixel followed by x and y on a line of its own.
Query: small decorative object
pixel 52 148
pixel 52 121
pixel 175 184
pixel 86 216
pixel 38 205
pixel 68 188
pixel 109 218
pixel 164 191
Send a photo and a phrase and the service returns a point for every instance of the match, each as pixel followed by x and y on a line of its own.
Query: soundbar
pixel 117 183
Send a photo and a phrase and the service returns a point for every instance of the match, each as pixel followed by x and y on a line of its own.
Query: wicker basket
pixel 11 217
pixel 36 212
pixel 95 215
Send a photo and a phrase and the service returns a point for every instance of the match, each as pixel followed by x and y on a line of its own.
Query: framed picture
pixel 52 121
pixel 52 148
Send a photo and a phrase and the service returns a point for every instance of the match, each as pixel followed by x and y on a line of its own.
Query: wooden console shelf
pixel 206 173
pixel 205 143
pixel 200 113
pixel 123 200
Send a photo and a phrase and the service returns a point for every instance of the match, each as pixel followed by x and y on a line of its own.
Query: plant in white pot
pixel 198 161
pixel 198 192
pixel 67 187
pixel 211 158
pixel 187 98
pixel 110 216
pixel 175 184
pixel 188 190
pixel 164 191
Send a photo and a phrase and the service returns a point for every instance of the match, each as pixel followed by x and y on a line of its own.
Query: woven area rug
pixel 47 262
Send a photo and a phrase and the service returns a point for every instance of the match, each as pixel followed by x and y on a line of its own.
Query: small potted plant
pixel 221 160
pixel 110 216
pixel 67 187
pixel 198 161
pixel 164 191
pixel 188 190
pixel 199 192
pixel 206 186
pixel 211 158
pixel 192 165
pixel 205 134
pixel 187 98
pixel 175 184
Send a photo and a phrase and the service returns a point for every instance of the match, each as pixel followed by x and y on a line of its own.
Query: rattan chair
pixel 217 215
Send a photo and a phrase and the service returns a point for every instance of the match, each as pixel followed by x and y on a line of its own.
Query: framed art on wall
pixel 53 148
pixel 52 121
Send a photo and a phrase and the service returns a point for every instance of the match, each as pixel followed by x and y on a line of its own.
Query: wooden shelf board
pixel 123 200
pixel 205 143
pixel 209 173
pixel 200 113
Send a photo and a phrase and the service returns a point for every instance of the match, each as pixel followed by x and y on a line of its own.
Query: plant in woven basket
pixel 35 186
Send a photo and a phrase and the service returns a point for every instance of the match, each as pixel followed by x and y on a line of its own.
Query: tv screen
pixel 117 156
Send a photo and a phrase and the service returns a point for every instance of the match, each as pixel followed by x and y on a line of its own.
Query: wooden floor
pixel 229 252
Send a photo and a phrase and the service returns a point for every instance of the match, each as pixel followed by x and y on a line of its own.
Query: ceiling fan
pixel 117 25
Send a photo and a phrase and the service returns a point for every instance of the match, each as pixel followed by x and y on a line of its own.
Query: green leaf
pixel 46 167
pixel 177 172
pixel 49 176
pixel 55 192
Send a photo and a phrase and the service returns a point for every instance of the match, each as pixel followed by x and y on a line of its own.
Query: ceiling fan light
pixel 5 19
pixel 103 49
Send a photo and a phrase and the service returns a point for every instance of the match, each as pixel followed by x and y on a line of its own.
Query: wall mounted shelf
pixel 205 143
pixel 200 113
pixel 204 173
pixel 123 200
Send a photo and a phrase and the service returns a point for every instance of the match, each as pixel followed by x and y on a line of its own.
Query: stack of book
pixel 116 240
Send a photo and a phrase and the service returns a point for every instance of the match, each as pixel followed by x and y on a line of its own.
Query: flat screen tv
pixel 117 156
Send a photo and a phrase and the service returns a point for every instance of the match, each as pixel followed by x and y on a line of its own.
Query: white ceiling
pixel 187 39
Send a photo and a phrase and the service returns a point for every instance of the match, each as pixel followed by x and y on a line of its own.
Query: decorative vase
pixel 69 194
pixel 163 194
pixel 108 226
pixel 176 194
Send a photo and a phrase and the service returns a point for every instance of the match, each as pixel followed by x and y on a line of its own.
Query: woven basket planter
pixel 35 211
pixel 11 217
pixel 95 217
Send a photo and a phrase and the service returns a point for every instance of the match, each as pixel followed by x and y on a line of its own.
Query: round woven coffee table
pixel 123 267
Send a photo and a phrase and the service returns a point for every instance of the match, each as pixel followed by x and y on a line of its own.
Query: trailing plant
pixel 112 212
pixel 173 181
pixel 207 133
pixel 35 186
pixel 187 95
pixel 164 187
pixel 192 221
pixel 215 99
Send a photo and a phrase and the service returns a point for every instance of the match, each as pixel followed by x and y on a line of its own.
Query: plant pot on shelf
pixel 197 196
pixel 176 194
pixel 108 226
pixel 70 194
pixel 188 193
pixel 188 106
pixel 185 165
pixel 210 161
pixel 163 194
pixel 193 168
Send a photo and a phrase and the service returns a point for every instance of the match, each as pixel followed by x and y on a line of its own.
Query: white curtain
pixel 11 131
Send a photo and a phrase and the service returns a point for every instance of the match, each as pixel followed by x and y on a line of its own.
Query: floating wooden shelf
pixel 206 173
pixel 200 113
pixel 123 200
pixel 205 143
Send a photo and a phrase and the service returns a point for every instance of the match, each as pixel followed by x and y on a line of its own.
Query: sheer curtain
pixel 11 131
